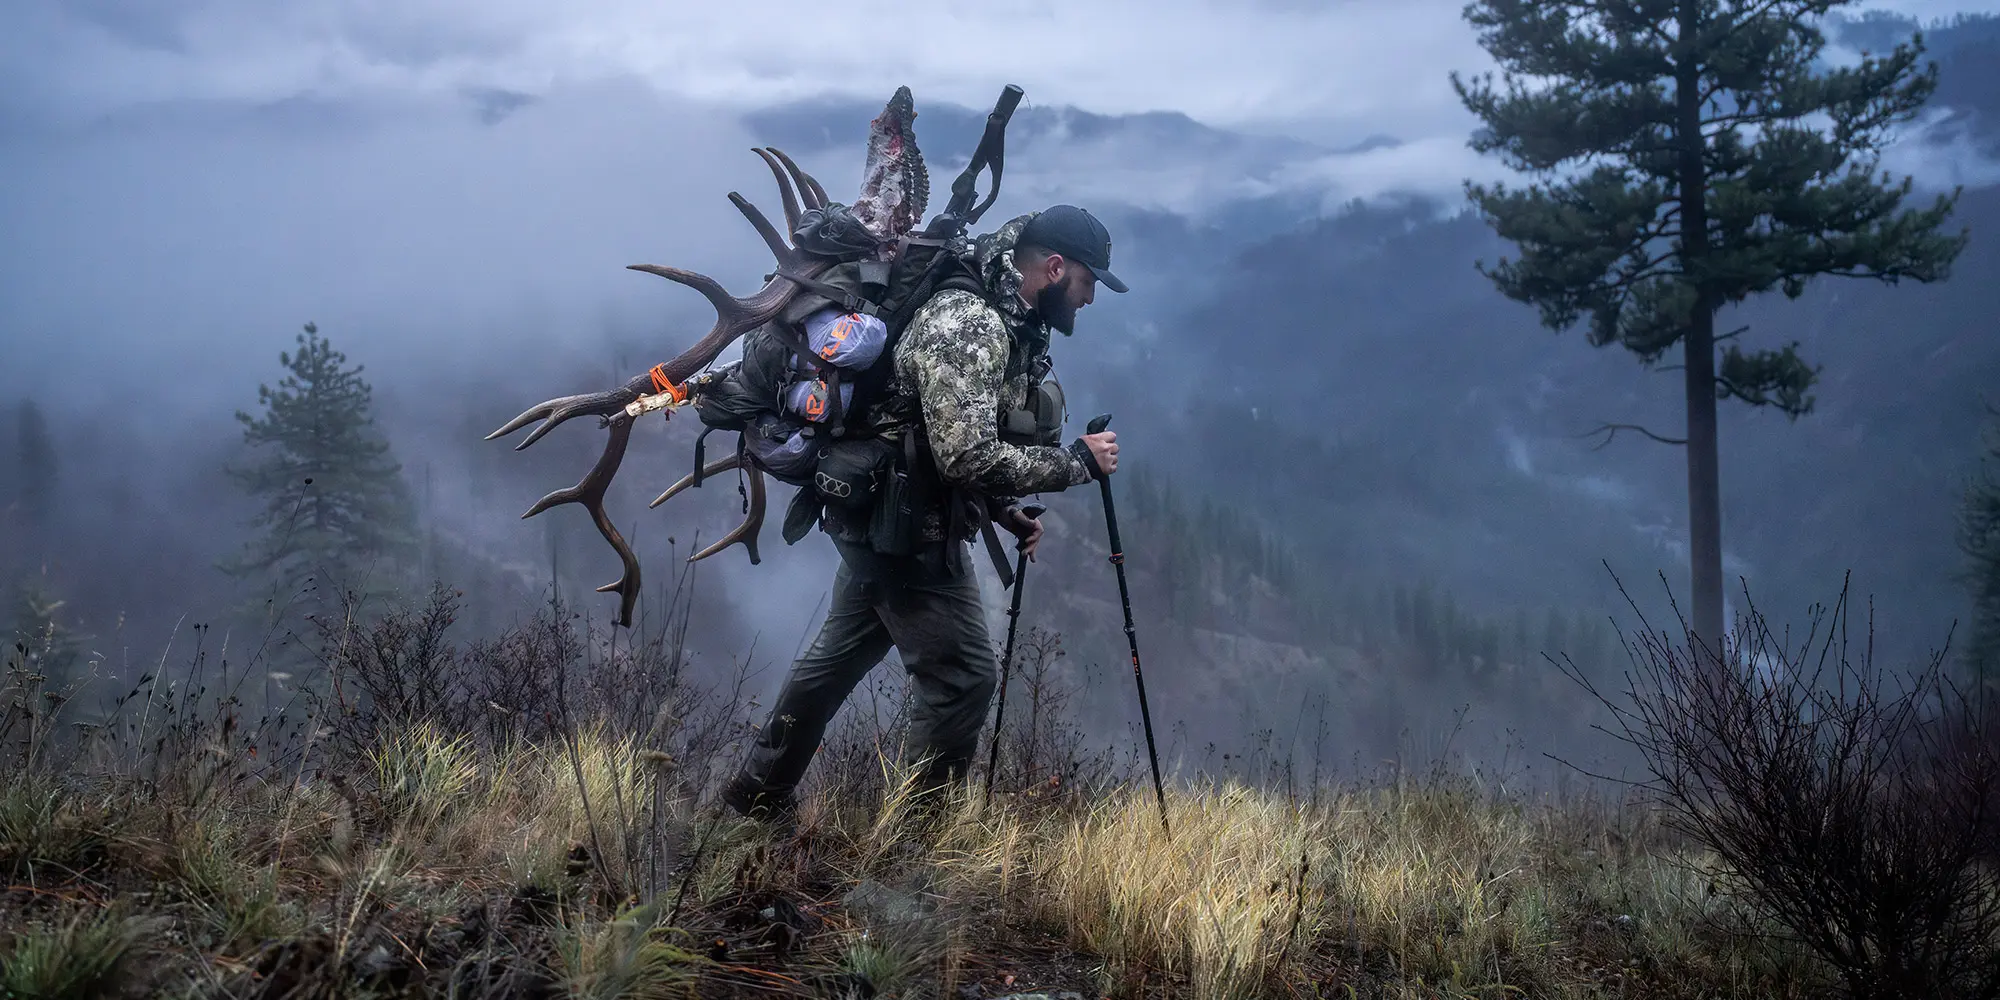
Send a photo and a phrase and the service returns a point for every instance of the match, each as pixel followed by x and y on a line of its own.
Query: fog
pixel 452 194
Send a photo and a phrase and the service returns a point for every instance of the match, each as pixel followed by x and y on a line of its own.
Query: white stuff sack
pixel 850 340
pixel 808 398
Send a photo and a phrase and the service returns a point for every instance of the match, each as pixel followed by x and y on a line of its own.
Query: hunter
pixel 967 375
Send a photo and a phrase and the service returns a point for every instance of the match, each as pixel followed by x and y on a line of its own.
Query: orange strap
pixel 661 383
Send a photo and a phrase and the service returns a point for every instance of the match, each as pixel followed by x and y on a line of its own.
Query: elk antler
pixel 784 187
pixel 809 190
pixel 753 523
pixel 716 467
pixel 734 317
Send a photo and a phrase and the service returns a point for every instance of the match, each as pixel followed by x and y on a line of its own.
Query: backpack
pixel 808 391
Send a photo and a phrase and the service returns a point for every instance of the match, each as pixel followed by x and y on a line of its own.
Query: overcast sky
pixel 162 234
pixel 373 198
pixel 1316 66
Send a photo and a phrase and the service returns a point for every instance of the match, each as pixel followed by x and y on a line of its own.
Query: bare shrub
pixel 1853 808
pixel 402 669
pixel 1041 745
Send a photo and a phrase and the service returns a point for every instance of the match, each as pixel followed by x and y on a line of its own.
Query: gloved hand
pixel 1098 453
pixel 1025 522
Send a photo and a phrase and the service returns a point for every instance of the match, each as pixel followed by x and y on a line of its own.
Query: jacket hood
pixel 994 253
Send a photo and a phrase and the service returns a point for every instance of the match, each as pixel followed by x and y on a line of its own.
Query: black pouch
pixel 782 447
pixel 834 231
pixel 1039 421
pixel 727 404
pixel 892 524
pixel 801 515
pixel 851 472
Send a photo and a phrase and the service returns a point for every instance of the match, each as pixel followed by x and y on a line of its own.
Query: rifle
pixel 960 212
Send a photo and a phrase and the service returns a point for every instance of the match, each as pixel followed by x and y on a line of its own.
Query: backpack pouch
pixel 850 340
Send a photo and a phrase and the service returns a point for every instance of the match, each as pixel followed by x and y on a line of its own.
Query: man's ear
pixel 1055 268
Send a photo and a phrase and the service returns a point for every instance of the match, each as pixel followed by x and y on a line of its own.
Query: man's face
pixel 1058 301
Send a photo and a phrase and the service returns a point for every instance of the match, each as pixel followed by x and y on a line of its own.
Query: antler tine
pixel 780 247
pixel 753 523
pixel 715 468
pixel 734 316
pixel 558 410
pixel 809 189
pixel 784 189
pixel 590 493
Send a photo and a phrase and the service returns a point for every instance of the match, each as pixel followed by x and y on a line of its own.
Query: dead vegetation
pixel 532 817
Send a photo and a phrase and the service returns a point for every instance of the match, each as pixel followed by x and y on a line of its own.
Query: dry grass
pixel 423 859
pixel 69 955
pixel 1406 890
pixel 1426 890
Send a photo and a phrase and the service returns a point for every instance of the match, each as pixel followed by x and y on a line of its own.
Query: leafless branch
pixel 1610 432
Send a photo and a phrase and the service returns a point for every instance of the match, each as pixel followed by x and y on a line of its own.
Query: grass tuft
pixel 628 957
pixel 81 957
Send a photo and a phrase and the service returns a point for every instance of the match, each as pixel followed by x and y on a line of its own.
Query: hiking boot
pixel 754 803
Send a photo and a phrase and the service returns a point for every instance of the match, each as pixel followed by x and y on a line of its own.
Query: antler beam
pixel 734 317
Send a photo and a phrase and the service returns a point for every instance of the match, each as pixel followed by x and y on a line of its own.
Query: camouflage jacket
pixel 967 361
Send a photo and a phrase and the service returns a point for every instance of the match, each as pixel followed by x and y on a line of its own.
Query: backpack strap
pixel 996 553
pixel 846 299
pixel 936 278
pixel 700 454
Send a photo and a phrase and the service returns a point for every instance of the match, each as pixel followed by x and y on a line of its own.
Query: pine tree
pixel 334 498
pixel 1694 153
pixel 35 469
pixel 1979 535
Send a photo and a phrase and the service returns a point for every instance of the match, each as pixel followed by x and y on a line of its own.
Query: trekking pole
pixel 1031 510
pixel 1098 424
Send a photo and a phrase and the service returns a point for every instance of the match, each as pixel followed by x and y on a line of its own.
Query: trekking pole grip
pixel 1032 511
pixel 1096 426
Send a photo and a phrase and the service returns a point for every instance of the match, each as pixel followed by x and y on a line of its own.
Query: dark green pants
pixel 938 626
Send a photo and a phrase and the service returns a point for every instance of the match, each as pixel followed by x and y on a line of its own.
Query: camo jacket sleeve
pixel 954 356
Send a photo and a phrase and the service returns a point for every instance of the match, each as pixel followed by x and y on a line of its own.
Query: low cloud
pixel 1373 65
pixel 190 247
pixel 1945 149
pixel 1436 167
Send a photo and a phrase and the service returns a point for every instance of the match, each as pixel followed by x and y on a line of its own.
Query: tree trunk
pixel 1704 482
pixel 1698 342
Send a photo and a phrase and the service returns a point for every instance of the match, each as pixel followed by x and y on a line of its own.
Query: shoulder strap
pixel 947 270
pixel 849 300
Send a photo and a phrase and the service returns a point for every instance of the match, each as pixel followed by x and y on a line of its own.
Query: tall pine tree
pixel 335 504
pixel 1693 153
pixel 1979 534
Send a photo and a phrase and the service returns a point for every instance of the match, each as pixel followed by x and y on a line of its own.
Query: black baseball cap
pixel 1078 236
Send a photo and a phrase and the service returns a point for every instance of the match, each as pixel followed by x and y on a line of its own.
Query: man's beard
pixel 1052 303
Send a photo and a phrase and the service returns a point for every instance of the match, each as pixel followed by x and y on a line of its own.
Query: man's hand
pixel 1104 447
pixel 1027 529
